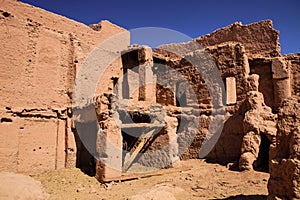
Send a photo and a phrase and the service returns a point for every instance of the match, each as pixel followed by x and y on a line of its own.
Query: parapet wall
pixel 258 38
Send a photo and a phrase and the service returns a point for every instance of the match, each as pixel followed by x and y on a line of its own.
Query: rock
pixel 17 186
pixel 80 189
pixel 160 191
pixel 92 191
pixel 108 186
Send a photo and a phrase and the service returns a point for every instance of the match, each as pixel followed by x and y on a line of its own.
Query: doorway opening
pixel 262 162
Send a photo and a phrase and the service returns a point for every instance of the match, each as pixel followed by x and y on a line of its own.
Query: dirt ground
pixel 194 179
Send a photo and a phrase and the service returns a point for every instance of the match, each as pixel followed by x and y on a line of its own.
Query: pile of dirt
pixel 194 179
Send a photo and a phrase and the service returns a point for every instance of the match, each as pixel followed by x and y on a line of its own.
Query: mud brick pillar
pixel 138 81
pixel 108 142
pixel 171 128
pixel 281 80
pixel 146 79
pixel 109 148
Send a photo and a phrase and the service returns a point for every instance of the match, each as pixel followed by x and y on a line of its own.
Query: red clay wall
pixel 40 55
pixel 258 38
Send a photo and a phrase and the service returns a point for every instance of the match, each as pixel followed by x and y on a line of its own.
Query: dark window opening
pixel 138 117
pixel 128 117
pixel 6 120
pixel 5 14
pixel 125 85
pixel 181 99
pixel 115 85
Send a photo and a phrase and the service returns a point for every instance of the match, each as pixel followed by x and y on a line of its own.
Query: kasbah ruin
pixel 154 105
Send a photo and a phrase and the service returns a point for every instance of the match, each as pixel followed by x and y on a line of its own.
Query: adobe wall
pixel 40 56
pixel 129 113
pixel 284 165
pixel 294 63
pixel 231 62
pixel 258 38
pixel 247 61
pixel 256 83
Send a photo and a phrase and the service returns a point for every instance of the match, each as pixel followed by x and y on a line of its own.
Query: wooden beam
pixel 141 143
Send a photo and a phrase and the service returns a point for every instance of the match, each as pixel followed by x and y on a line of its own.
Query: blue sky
pixel 191 17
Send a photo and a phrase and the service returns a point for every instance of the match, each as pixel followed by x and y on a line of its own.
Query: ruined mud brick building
pixel 42 53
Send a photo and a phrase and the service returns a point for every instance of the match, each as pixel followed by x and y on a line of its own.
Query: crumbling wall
pixel 239 51
pixel 191 134
pixel 258 38
pixel 274 79
pixel 259 123
pixel 39 61
pixel 171 70
pixel 108 141
pixel 123 116
pixel 232 63
pixel 285 165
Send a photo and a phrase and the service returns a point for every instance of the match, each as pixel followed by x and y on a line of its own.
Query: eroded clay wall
pixel 239 51
pixel 232 62
pixel 258 38
pixel 40 56
pixel 173 70
pixel 294 60
pixel 285 165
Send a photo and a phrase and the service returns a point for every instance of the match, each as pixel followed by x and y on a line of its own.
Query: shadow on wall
pixel 85 161
pixel 227 149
